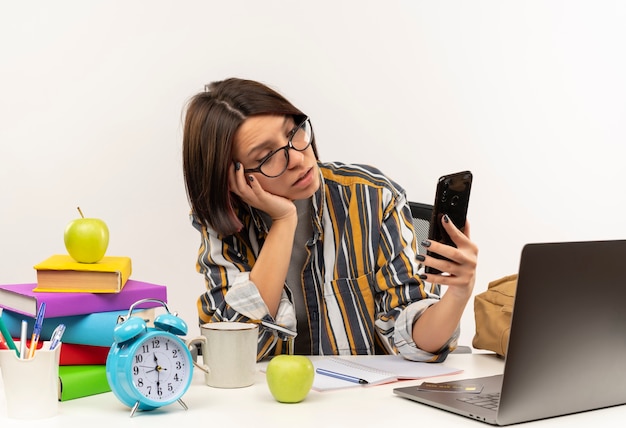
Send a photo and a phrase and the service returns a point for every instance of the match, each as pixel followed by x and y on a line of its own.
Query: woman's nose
pixel 295 158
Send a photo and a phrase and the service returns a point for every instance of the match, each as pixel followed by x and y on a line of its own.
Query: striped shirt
pixel 360 281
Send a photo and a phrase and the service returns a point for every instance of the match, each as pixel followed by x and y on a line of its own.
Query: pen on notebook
pixel 23 334
pixel 341 376
pixel 55 339
pixel 37 330
pixel 7 337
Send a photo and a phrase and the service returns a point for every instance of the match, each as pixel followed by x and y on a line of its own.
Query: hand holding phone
pixel 451 198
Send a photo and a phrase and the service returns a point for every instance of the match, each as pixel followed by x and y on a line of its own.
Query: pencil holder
pixel 31 386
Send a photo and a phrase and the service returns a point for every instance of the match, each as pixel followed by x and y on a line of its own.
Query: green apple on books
pixel 86 239
pixel 85 268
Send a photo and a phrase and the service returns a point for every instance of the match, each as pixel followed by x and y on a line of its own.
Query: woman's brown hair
pixel 211 121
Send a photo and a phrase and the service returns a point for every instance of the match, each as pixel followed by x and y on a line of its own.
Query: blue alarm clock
pixel 149 367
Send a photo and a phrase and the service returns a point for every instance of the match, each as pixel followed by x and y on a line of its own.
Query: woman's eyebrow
pixel 268 143
pixel 258 148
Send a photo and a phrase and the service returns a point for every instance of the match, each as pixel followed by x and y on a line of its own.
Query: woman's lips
pixel 303 179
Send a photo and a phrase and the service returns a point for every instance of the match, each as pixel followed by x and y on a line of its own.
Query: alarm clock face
pixel 160 368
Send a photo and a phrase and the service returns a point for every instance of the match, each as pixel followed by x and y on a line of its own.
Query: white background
pixel 529 95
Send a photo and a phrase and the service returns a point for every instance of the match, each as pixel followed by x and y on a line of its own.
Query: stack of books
pixel 87 299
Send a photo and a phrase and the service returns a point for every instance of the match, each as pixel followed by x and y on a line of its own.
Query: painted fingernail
pixel 420 257
pixel 446 218
pixel 425 243
pixel 251 178
pixel 237 166
pixel 422 276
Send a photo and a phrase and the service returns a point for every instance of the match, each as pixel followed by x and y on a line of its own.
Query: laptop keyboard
pixel 488 401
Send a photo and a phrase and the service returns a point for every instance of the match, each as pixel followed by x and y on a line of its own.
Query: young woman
pixel 323 252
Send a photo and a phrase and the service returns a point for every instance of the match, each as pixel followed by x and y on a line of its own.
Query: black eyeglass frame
pixel 286 148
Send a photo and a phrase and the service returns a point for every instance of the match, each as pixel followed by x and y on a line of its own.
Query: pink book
pixel 21 298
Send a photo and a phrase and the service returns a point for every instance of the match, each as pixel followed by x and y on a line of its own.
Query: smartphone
pixel 451 198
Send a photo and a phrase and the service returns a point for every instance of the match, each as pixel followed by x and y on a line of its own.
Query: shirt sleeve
pixel 403 298
pixel 231 295
pixel 403 335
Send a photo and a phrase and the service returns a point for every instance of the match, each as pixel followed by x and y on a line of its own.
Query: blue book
pixel 94 329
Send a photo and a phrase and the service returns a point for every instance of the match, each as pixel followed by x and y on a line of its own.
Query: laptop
pixel 567 345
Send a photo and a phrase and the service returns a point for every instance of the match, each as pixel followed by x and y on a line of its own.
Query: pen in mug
pixel 341 376
pixel 23 333
pixel 37 329
pixel 7 337
pixel 55 339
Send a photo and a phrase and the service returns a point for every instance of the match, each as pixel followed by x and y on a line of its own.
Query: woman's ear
pixel 231 202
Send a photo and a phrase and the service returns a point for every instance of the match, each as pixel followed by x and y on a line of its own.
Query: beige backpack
pixel 492 313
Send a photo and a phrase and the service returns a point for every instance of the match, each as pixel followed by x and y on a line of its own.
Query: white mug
pixel 31 386
pixel 229 352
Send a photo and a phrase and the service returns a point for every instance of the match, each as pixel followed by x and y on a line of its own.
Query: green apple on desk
pixel 290 377
pixel 86 239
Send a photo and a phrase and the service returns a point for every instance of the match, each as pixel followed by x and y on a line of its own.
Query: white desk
pixel 254 407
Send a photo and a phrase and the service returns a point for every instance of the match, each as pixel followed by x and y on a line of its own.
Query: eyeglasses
pixel 276 163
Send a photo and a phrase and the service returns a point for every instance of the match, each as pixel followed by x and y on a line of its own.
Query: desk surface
pixel 254 407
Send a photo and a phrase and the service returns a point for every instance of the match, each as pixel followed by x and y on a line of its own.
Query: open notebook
pixel 375 369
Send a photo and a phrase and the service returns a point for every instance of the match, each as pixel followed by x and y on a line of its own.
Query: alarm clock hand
pixel 158 367
pixel 158 370
pixel 152 368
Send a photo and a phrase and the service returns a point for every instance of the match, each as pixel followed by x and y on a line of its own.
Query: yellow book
pixel 61 273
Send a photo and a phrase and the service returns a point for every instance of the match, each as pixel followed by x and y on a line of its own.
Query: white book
pixel 373 369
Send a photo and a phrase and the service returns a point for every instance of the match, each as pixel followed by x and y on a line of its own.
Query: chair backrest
pixel 421 223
